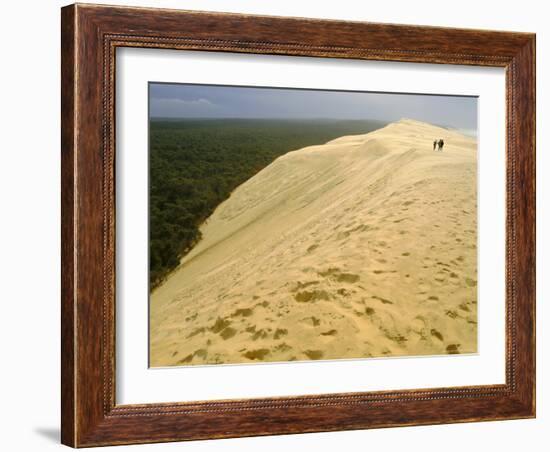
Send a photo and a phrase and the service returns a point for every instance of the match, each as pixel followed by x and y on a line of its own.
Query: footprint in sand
pixel 256 355
pixel 201 353
pixel 312 248
pixel 228 333
pixel 260 334
pixel 311 321
pixel 282 347
pixel 302 285
pixel 334 273
pixel 437 334
pixel 330 333
pixel 280 332
pixel 311 296
pixel 314 354
pixel 382 300
pixel 244 312
pixel 453 349
pixel 195 332
pixel 219 325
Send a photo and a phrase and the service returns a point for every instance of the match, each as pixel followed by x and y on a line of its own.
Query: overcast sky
pixel 209 101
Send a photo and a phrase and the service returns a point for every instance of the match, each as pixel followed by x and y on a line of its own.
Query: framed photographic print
pixel 281 225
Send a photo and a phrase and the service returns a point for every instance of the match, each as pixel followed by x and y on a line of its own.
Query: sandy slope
pixel 364 246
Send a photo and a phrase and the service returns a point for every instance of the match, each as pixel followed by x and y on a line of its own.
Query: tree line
pixel 195 164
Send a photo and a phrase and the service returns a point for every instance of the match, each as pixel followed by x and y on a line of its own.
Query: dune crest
pixel 362 247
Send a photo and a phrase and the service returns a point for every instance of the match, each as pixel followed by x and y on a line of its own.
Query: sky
pixel 215 101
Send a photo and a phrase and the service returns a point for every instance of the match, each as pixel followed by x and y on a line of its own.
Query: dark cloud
pixel 213 101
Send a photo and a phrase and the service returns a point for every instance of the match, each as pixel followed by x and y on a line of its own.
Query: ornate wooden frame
pixel 90 35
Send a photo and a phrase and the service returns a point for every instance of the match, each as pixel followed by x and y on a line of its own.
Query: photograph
pixel 298 224
pixel 278 220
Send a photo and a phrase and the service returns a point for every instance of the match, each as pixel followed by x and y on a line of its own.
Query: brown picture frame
pixel 90 36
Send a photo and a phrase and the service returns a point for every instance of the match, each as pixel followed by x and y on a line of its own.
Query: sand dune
pixel 362 247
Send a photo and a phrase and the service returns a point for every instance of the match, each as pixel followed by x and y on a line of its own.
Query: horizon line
pixel 385 121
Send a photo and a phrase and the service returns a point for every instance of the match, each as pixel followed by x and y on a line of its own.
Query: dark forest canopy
pixel 195 164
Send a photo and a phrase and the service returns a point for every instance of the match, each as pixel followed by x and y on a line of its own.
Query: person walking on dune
pixel 435 144
pixel 440 144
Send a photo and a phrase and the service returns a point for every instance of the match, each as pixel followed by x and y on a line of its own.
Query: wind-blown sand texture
pixel 362 247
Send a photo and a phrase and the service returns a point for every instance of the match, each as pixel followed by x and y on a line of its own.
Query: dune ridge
pixel 361 247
